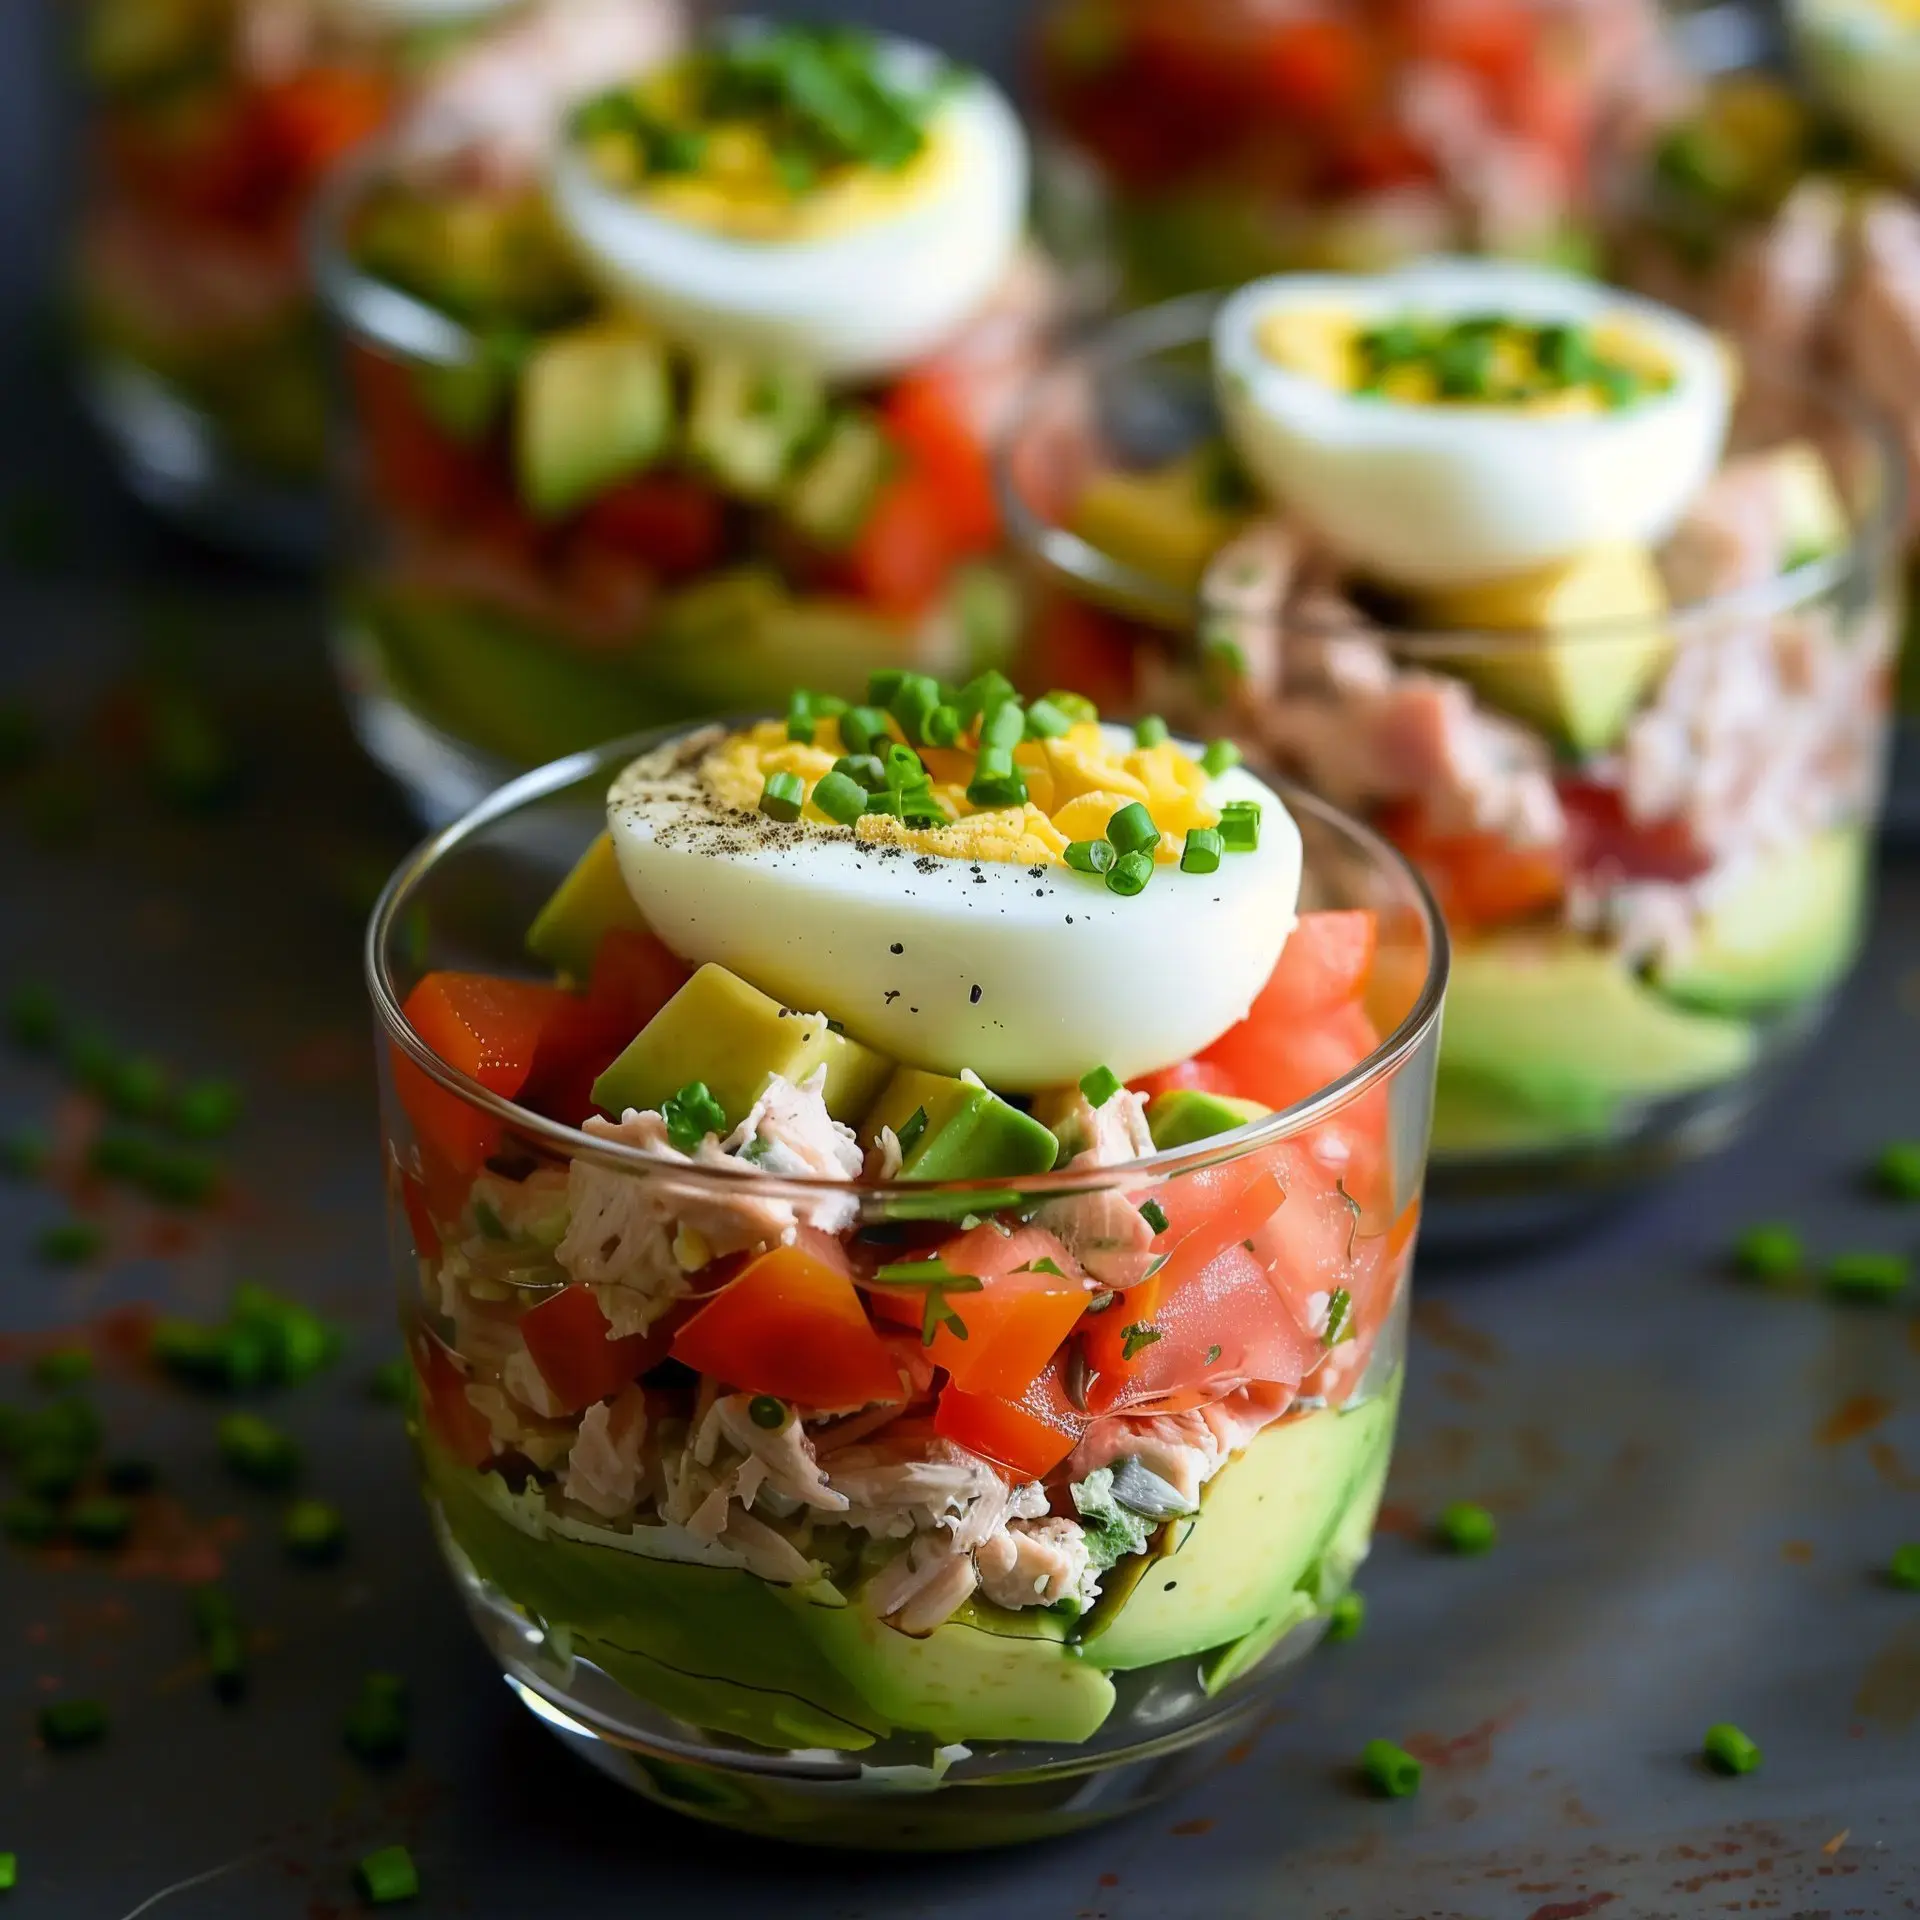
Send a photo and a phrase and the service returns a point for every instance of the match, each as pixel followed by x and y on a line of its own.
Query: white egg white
pixel 1865 58
pixel 1027 976
pixel 1423 496
pixel 856 305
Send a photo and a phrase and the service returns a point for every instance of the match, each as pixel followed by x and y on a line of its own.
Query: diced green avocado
pixel 463 401
pixel 829 499
pixel 1567 1034
pixel 749 420
pixel 1184 1115
pixel 735 1038
pixel 968 1133
pixel 1813 523
pixel 1546 662
pixel 1788 930
pixel 590 903
pixel 988 609
pixel 596 404
pixel 1164 522
pixel 1264 1521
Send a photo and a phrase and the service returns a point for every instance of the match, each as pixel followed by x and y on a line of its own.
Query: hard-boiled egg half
pixel 811 193
pixel 1865 57
pixel 1023 911
pixel 1463 420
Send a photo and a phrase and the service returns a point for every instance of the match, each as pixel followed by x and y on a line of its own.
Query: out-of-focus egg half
pixel 1864 56
pixel 812 193
pixel 972 944
pixel 1463 420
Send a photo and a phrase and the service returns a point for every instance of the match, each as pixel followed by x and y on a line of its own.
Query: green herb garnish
pixel 692 1114
pixel 1239 827
pixel 1129 874
pixel 1100 1085
pixel 1466 1528
pixel 1137 1338
pixel 1150 732
pixel 388 1876
pixel 1727 1750
pixel 1339 1317
pixel 313 1531
pixel 1090 856
pixel 1867 1277
pixel 783 796
pixel 1154 1214
pixel 1201 851
pixel 1769 1252
pixel 767 1412
pixel 1218 756
pixel 1390 1771
pixel 1346 1616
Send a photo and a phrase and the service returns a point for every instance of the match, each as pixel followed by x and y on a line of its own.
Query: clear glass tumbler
pixel 854 1644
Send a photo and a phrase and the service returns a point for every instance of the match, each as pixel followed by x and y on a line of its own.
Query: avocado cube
pixel 970 1133
pixel 596 404
pixel 720 1030
pixel 1163 522
pixel 1813 523
pixel 462 400
pixel 1180 1117
pixel 590 903
pixel 749 420
pixel 829 499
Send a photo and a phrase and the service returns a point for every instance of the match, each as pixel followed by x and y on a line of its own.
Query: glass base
pixel 174 462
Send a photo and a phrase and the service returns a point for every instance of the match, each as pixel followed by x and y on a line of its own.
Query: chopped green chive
pixel 63 1367
pixel 388 1876
pixel 800 716
pixel 767 1412
pixel 1769 1252
pixel 933 1272
pixel 1076 706
pixel 70 1243
pixel 883 683
pixel 983 691
pixel 865 770
pixel 1897 1171
pixel 1100 1085
pixel 313 1531
pixel 181 1179
pixel 1046 721
pixel 1347 1616
pixel 783 796
pixel 996 781
pixel 1129 874
pixel 1136 1339
pixel 1154 1214
pixel 72 1723
pixel 692 1114
pixel 1150 732
pixel 913 704
pixel 389 1381
pixel 943 727
pixel 1239 827
pixel 1866 1276
pixel 376 1725
pixel 840 798
pixel 137 1087
pixel 33 1015
pixel 1213 1353
pixel 1091 856
pixel 1466 1528
pixel 1004 725
pixel 911 1129
pixel 1043 1265
pixel 862 729
pixel 889 801
pixel 30 1521
pixel 1201 851
pixel 256 1451
pixel 1727 1750
pixel 216 1625
pixel 827 706
pixel 102 1522
pixel 1903 1570
pixel 1132 830
pixel 9 1872
pixel 905 771
pixel 1217 757
pixel 1392 1772
pixel 1339 1317
pixel 25 1152
pixel 206 1109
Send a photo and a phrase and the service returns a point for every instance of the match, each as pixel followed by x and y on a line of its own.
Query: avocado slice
pixel 1180 1117
pixel 1788 930
pixel 1553 663
pixel 735 1038
pixel 829 499
pixel 596 404
pixel 1565 1034
pixel 590 903
pixel 958 1130
pixel 1164 522
pixel 749 419
pixel 1264 1522
pixel 780 1666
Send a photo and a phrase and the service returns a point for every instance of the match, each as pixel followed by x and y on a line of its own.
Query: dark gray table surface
pixel 1697 1480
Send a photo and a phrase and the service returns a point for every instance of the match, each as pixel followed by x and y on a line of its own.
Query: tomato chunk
pixel 567 1336
pixel 792 1325
pixel 1204 1076
pixel 676 525
pixel 1479 879
pixel 1028 1436
pixel 634 976
pixel 450 1416
pixel 924 420
pixel 900 558
pixel 487 1028
pixel 1017 1321
pixel 1326 961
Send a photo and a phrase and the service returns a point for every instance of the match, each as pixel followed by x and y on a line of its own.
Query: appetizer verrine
pixel 1468 549
pixel 909 1367
pixel 699 406
pixel 214 123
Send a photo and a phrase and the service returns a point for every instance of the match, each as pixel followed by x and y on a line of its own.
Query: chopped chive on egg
pixel 1240 826
pixel 1005 725
pixel 783 796
pixel 841 798
pixel 1150 732
pixel 1132 830
pixel 1130 873
pixel 1100 1085
pixel 1047 721
pixel 1201 853
pixel 1727 1750
pixel 1090 856
pixel 1391 1771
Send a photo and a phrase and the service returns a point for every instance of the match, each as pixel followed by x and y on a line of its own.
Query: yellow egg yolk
pixel 1515 366
pixel 1076 783
pixel 731 175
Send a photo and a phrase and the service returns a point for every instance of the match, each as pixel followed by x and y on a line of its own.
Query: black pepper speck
pixel 974 996
pixel 896 948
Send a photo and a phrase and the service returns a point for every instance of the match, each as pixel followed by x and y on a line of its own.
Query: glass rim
pixel 603 762
pixel 1187 322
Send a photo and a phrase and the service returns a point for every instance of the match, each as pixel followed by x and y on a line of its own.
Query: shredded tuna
pixel 1185 1449
pixel 1033 1563
pixel 605 1469
pixel 923 1586
pixel 528 1385
pixel 1244 591
pixel 891 1496
pixel 515 1430
pixel 783 1454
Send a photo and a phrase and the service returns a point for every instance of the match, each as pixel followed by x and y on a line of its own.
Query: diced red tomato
pixel 1495 40
pixel 673 523
pixel 634 976
pixel 1203 1076
pixel 449 1415
pixel 1280 1061
pixel 900 559
pixel 1318 68
pixel 567 1336
pixel 1375 156
pixel 1480 879
pixel 1603 840
pixel 487 1028
pixel 1083 647
pixel 315 116
pixel 412 466
pixel 1028 1436
pixel 1327 959
pixel 924 420
pixel 1018 1320
pixel 792 1325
